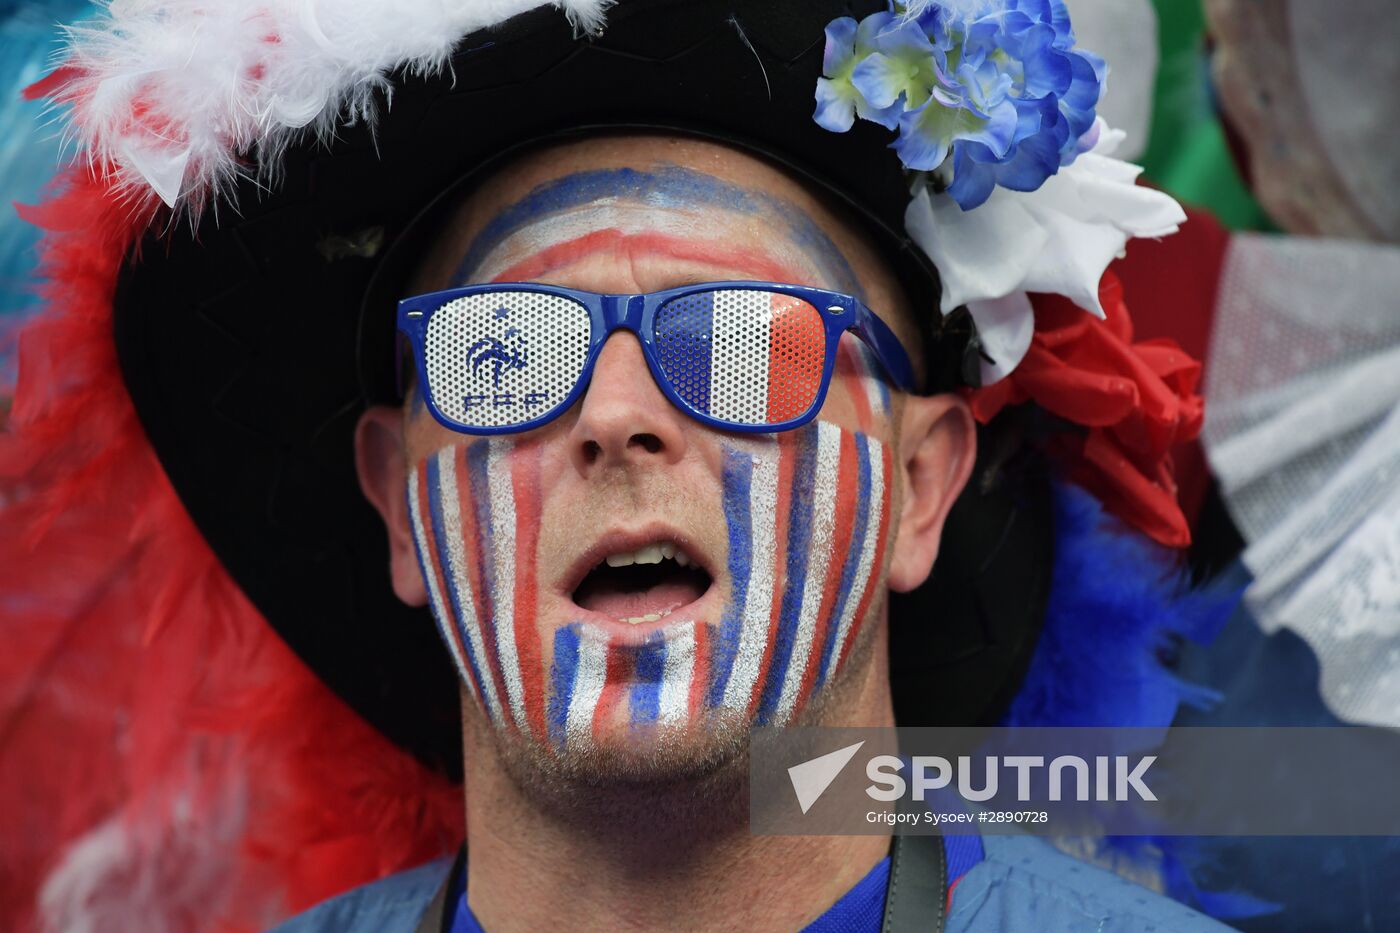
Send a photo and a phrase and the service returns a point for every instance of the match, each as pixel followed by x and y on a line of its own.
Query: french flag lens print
pixel 807 515
pixel 501 359
pixel 740 355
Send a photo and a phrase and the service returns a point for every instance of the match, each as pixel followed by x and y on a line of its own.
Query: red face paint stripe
pixel 700 673
pixel 616 679
pixel 878 562
pixel 848 365
pixel 454 624
pixel 525 476
pixel 471 544
pixel 787 459
pixel 639 245
pixel 842 529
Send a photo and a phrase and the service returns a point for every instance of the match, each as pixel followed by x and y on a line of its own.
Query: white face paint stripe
pixel 758 605
pixel 450 501
pixel 676 673
pixel 819 550
pixel 739 363
pixel 628 219
pixel 502 495
pixel 875 454
pixel 440 613
pixel 869 376
pixel 589 678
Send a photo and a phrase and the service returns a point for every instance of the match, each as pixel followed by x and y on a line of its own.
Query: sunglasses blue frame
pixel 637 313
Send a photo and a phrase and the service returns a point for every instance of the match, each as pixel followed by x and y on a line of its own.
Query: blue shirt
pixel 1020 883
pixel 860 910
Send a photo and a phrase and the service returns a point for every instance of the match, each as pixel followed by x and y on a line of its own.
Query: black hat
pixel 251 348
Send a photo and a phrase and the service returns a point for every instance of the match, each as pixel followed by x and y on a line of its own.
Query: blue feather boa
pixel 1119 607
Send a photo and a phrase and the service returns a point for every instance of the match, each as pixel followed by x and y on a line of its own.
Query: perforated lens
pixel 500 359
pixel 742 356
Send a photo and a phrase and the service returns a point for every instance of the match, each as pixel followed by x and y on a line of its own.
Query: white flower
pixel 1059 239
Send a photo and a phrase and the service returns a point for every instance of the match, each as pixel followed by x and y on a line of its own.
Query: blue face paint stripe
pixel 799 531
pixel 648 666
pixel 848 571
pixel 670 186
pixel 563 671
pixel 434 494
pixel 477 458
pixel 737 480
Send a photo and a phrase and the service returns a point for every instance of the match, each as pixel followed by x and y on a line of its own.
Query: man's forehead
pixel 678 172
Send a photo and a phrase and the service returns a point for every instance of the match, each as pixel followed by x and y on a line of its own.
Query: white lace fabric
pixel 1303 431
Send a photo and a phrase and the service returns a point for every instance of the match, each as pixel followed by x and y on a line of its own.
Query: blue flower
pixel 839 101
pixel 984 92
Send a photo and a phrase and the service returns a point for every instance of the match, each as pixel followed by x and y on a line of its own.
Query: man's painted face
pixel 651 637
pixel 625 578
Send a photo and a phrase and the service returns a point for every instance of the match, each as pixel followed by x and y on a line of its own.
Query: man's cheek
pixel 805 569
pixel 475 512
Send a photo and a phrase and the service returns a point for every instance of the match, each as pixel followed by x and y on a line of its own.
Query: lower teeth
pixel 649 617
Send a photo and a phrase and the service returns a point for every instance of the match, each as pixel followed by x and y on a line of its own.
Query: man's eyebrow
pixel 668 186
pixel 755 263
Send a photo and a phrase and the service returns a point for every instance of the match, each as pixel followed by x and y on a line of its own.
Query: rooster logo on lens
pixel 498 355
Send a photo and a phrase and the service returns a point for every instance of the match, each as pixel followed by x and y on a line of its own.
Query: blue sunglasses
pixel 736 356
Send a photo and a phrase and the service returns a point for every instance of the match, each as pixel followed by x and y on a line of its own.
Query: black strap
pixel 437 918
pixel 916 900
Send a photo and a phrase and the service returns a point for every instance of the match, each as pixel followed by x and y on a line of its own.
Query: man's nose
pixel 624 418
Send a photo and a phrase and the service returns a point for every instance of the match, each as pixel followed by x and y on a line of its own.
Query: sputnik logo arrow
pixel 811 778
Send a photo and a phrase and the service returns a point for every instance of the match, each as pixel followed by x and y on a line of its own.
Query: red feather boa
pixel 168 757
pixel 1137 401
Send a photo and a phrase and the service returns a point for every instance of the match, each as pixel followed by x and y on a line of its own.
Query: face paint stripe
pixel 881 470
pixel 674 699
pixel 433 581
pixel 875 383
pixel 503 530
pixel 736 481
pixel 650 667
pixel 790 446
pixel 640 245
pixel 855 554
pixel 464 525
pixel 848 364
pixel 588 687
pixel 795 582
pixel 482 566
pixel 562 677
pixel 765 490
pixel 819 553
pixel 669 188
pixel 700 673
pixel 440 509
pixel 525 485
pixel 844 519
pixel 618 673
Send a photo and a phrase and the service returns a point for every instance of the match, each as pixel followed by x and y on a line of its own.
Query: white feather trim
pixel 176 97
pixel 1059 239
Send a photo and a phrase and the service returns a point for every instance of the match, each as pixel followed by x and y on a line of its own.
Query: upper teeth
pixel 651 554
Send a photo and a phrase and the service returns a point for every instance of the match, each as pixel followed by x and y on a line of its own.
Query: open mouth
pixel 643 585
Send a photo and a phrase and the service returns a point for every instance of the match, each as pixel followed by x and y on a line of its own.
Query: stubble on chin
pixel 694 778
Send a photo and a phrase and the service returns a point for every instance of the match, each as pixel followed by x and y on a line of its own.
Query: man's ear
pixel 381 466
pixel 937 447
